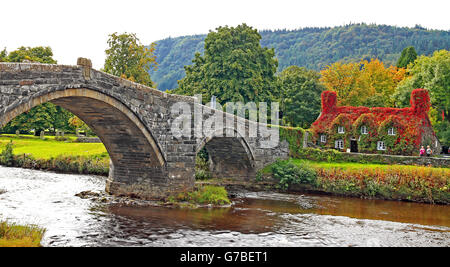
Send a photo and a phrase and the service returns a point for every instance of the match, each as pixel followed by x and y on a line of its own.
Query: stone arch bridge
pixel 134 123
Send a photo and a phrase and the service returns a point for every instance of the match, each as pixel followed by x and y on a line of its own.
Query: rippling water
pixel 257 219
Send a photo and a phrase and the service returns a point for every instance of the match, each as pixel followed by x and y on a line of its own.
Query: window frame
pixel 341 128
pixel 381 145
pixel 323 138
pixel 337 142
pixel 391 131
pixel 366 131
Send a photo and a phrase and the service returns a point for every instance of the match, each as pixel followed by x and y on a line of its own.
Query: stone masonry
pixel 134 123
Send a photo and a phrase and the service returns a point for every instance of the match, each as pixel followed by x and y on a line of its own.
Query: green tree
pixel 126 57
pixel 35 54
pixel 41 117
pixel 3 55
pixel 38 118
pixel 300 91
pixel 234 67
pixel 408 56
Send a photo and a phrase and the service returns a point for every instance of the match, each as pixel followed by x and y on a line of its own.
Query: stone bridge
pixel 135 124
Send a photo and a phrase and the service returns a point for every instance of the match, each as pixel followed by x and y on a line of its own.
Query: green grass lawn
pixel 45 149
pixel 359 166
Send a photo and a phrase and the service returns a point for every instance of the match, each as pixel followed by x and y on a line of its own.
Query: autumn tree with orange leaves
pixel 366 83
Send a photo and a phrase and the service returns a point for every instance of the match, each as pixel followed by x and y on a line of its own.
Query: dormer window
pixel 341 129
pixel 323 138
pixel 364 130
pixel 391 131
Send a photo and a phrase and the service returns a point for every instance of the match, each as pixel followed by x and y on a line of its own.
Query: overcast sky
pixel 80 28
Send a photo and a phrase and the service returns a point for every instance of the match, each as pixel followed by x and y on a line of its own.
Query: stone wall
pixel 88 140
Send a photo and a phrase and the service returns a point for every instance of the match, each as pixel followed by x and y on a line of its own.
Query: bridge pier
pixel 148 183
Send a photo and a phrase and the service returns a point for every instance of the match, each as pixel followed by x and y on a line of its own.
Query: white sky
pixel 80 28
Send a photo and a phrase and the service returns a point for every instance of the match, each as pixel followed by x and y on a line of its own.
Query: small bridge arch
pixel 230 157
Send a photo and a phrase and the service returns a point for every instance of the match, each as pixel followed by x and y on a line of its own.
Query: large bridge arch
pixel 134 152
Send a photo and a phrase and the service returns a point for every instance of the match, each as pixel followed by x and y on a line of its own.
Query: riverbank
pixel 51 146
pixel 372 181
pixel 13 235
pixel 52 155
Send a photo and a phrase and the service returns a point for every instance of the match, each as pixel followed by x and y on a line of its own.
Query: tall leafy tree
pixel 42 117
pixel 341 78
pixel 34 54
pixel 126 57
pixel 366 83
pixel 408 56
pixel 3 55
pixel 234 67
pixel 300 91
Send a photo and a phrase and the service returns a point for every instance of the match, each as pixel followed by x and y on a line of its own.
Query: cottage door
pixel 353 146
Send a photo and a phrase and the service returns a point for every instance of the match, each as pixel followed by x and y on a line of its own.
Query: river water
pixel 257 219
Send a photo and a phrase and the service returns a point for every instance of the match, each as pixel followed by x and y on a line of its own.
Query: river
pixel 257 219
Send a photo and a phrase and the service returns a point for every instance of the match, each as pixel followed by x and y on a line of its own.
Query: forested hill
pixel 313 48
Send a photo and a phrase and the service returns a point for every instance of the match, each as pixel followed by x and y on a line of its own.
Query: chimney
pixel 328 101
pixel 420 101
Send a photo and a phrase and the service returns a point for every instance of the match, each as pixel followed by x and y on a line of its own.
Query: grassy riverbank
pixel 393 182
pixel 49 147
pixel 13 235
pixel 52 155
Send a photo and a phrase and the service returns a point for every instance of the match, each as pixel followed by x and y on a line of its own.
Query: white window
pixel 391 131
pixel 364 130
pixel 381 145
pixel 323 138
pixel 341 129
pixel 339 144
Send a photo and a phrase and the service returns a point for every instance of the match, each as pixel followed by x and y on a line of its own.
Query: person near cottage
pixel 429 151
pixel 422 151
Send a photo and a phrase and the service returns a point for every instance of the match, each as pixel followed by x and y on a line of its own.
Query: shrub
pixel 7 156
pixel 294 137
pixel 287 173
pixel 202 169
